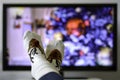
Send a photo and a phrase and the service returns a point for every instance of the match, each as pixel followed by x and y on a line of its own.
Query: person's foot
pixel 39 65
pixel 55 53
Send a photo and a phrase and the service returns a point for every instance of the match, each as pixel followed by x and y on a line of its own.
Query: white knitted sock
pixel 39 65
pixel 55 51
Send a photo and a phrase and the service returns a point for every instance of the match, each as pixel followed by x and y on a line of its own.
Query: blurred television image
pixel 88 31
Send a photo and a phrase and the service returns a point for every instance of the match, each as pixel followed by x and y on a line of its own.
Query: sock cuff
pixel 43 71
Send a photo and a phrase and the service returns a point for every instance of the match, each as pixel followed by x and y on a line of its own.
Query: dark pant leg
pixel 51 76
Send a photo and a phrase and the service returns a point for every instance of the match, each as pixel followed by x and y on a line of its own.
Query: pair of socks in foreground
pixel 41 63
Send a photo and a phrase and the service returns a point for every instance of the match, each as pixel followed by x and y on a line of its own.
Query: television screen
pixel 88 31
